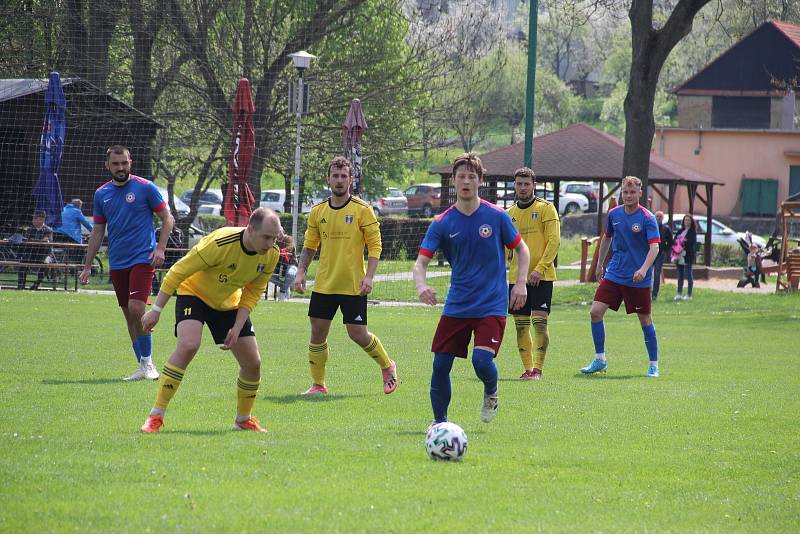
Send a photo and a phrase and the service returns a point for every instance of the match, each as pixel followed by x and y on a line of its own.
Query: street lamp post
pixel 301 62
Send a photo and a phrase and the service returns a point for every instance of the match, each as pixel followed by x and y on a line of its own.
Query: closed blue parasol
pixel 47 190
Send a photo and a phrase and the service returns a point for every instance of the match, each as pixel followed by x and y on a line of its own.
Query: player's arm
pixel 552 236
pixel 150 319
pixel 639 275
pixel 233 334
pixel 366 282
pixel 167 222
pixel 605 245
pixel 425 292
pixel 95 240
pixel 519 293
pixel 306 257
pixel 372 236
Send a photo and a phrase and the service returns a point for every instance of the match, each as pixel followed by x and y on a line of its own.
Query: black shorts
pixel 324 306
pixel 539 298
pixel 218 322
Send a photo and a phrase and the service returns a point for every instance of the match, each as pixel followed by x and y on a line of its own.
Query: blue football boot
pixel 652 372
pixel 597 366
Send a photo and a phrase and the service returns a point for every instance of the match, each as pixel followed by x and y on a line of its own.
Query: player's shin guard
pixel 145 346
pixel 483 363
pixel 651 342
pixel 246 392
pixel 317 358
pixel 524 341
pixel 171 378
pixel 541 339
pixel 376 351
pixel 440 385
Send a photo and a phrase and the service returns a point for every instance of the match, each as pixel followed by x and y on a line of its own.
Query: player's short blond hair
pixel 631 180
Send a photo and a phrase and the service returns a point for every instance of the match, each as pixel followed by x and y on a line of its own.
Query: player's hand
pixel 300 281
pixel 534 278
pixel 639 275
pixel 428 295
pixel 84 276
pixel 366 286
pixel 600 273
pixel 157 257
pixel 150 319
pixel 231 338
pixel 519 295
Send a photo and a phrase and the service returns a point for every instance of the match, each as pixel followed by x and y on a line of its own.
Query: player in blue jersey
pixel 472 235
pixel 633 236
pixel 125 206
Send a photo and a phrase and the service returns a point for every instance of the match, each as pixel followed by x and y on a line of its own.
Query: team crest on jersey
pixel 535 215
pixel 348 219
pixel 260 268
pixel 130 198
pixel 485 231
pixel 636 228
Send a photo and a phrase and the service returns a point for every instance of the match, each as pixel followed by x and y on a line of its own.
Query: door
pixel 759 196
pixel 794 180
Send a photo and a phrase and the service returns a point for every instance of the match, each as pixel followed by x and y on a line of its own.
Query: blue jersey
pixel 473 245
pixel 127 211
pixel 632 235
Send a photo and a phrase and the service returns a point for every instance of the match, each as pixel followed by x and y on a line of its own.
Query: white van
pixel 274 199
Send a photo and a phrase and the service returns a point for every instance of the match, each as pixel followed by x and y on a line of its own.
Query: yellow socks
pixel 317 358
pixel 524 341
pixel 170 380
pixel 246 391
pixel 542 338
pixel 376 351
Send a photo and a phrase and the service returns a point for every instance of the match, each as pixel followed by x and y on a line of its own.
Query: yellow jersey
pixel 220 272
pixel 541 230
pixel 343 233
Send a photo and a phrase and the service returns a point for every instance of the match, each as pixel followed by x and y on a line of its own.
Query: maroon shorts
pixel 453 334
pixel 133 283
pixel 637 299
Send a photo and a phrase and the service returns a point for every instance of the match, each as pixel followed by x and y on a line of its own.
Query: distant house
pixel 737 122
pixel 95 120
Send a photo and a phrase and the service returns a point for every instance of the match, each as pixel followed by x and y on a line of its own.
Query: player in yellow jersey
pixel 537 221
pixel 219 282
pixel 343 225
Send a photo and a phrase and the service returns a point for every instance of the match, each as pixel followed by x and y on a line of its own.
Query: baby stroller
pixel 754 255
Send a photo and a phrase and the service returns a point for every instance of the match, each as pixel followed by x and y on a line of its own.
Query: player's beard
pixel 124 177
pixel 524 200
pixel 340 194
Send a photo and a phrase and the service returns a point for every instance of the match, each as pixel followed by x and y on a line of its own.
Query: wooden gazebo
pixel 582 153
pixel 789 260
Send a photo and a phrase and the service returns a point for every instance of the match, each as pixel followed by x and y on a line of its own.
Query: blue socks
pixel 143 347
pixel 650 341
pixel 440 385
pixel 483 363
pixel 599 337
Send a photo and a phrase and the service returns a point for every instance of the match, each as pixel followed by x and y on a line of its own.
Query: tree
pixel 651 47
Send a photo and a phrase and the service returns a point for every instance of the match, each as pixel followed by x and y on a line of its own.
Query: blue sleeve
pixel 609 225
pixel 508 231
pixel 85 222
pixel 432 238
pixel 651 227
pixel 97 207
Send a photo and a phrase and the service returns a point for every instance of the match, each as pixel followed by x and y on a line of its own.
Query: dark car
pixel 211 196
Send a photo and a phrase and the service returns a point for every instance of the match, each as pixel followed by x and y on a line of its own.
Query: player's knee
pixel 188 346
pixel 442 364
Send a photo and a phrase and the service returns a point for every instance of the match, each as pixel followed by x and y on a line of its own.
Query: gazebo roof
pixel 581 153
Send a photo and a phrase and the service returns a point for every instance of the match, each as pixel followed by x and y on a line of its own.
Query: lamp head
pixel 302 59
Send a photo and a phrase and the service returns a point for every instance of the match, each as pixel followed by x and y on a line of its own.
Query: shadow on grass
pixel 93 381
pixel 606 377
pixel 200 432
pixel 291 399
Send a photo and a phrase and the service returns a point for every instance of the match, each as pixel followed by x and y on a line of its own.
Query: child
pixel 753 269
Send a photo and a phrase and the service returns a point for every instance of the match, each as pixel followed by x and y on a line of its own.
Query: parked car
pixel 569 203
pixel 394 202
pixel 591 190
pixel 180 206
pixel 210 196
pixel 424 200
pixel 719 232
pixel 275 198
pixel 210 209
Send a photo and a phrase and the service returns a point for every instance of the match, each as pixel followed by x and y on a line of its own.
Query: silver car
pixel 719 232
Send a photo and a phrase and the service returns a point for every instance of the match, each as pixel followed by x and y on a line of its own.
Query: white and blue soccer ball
pixel 446 441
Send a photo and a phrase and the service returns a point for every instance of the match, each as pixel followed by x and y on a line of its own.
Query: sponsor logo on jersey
pixel 485 231
pixel 636 228
pixel 130 198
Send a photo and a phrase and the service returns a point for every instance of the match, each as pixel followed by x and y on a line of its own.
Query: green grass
pixel 711 446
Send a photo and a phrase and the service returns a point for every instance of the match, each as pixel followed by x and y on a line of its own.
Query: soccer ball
pixel 446 441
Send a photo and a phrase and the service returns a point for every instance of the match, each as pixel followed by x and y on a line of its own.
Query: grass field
pixel 711 446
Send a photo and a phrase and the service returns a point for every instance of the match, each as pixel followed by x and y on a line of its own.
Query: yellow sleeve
pixel 552 233
pixel 191 263
pixel 253 291
pixel 311 239
pixel 372 235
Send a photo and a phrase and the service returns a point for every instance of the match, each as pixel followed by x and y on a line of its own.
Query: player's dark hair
pixel 525 172
pixel 117 149
pixel 340 162
pixel 39 213
pixel 470 159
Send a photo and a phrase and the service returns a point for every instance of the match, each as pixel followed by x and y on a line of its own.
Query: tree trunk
pixel 650 49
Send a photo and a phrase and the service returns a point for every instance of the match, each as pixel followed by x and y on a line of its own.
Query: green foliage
pixel 713 437
pixel 556 105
